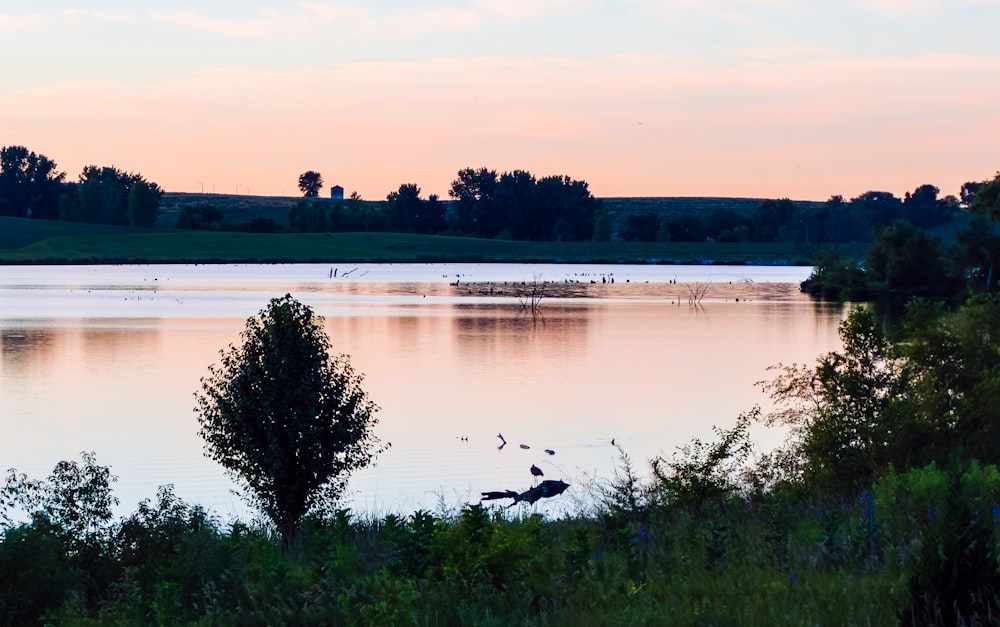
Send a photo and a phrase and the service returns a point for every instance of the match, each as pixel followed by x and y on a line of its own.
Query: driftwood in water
pixel 543 490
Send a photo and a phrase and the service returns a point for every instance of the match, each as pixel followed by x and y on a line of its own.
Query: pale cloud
pixel 264 24
pixel 20 24
pixel 10 23
pixel 740 11
pixel 906 8
pixel 339 20
pixel 524 10
pixel 798 52
pixel 88 15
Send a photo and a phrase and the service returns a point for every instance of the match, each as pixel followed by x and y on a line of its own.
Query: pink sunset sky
pixel 754 98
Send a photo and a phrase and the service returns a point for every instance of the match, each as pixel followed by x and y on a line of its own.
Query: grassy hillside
pixel 36 241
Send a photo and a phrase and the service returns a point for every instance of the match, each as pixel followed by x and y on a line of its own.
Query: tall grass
pixel 903 551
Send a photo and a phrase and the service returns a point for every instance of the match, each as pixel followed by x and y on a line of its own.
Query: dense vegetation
pixel 905 260
pixel 31 187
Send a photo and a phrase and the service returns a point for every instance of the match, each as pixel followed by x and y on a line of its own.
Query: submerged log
pixel 543 490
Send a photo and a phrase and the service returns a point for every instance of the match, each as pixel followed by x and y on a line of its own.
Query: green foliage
pixel 706 473
pixel 770 217
pixel 954 579
pixel 546 209
pixel 36 577
pixel 845 414
pixel 977 250
pixel 907 261
pixel 780 559
pixel 602 225
pixel 412 214
pixel 310 183
pixel 202 217
pixel 76 498
pixel 953 364
pixel 30 185
pixel 986 199
pixel 107 195
pixel 143 201
pixel 836 278
pixel 924 209
pixel 642 227
pixel 284 416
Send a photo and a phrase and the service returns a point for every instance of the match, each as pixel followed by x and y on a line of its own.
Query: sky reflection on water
pixel 108 359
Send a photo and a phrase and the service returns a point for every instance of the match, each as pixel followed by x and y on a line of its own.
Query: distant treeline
pixel 483 203
pixel 32 187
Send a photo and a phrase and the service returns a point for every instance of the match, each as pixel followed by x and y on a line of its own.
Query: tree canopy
pixel 284 416
pixel 986 199
pixel 310 183
pixel 30 185
pixel 516 205
pixel 107 195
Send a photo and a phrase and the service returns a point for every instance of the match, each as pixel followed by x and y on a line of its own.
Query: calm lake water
pixel 108 358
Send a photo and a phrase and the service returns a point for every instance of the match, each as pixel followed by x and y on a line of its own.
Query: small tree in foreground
pixel 285 417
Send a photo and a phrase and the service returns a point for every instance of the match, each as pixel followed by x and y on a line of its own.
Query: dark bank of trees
pixel 32 187
pixel 511 205
pixel 904 260
pixel 782 220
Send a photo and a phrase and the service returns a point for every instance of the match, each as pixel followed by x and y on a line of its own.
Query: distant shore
pixel 25 241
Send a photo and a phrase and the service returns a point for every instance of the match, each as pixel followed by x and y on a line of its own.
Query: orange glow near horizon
pixel 652 131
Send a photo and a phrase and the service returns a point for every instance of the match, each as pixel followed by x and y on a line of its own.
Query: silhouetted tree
pixel 143 203
pixel 30 185
pixel 986 200
pixel 969 190
pixel 473 192
pixel 104 196
pixel 516 209
pixel 872 209
pixel 286 418
pixel 519 206
pixel 412 214
pixel 310 183
pixel 924 209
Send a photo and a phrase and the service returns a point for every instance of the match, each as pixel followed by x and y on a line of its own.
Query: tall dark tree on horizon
pixel 412 214
pixel 517 205
pixel 473 192
pixel 310 183
pixel 30 184
pixel 107 195
pixel 986 199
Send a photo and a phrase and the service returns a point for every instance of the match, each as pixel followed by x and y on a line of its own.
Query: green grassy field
pixel 36 241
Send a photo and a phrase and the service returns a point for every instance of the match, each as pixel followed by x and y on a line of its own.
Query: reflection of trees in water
pixel 506 332
pixel 20 348
pixel 109 342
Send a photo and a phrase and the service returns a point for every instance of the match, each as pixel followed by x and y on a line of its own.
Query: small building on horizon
pixel 336 192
